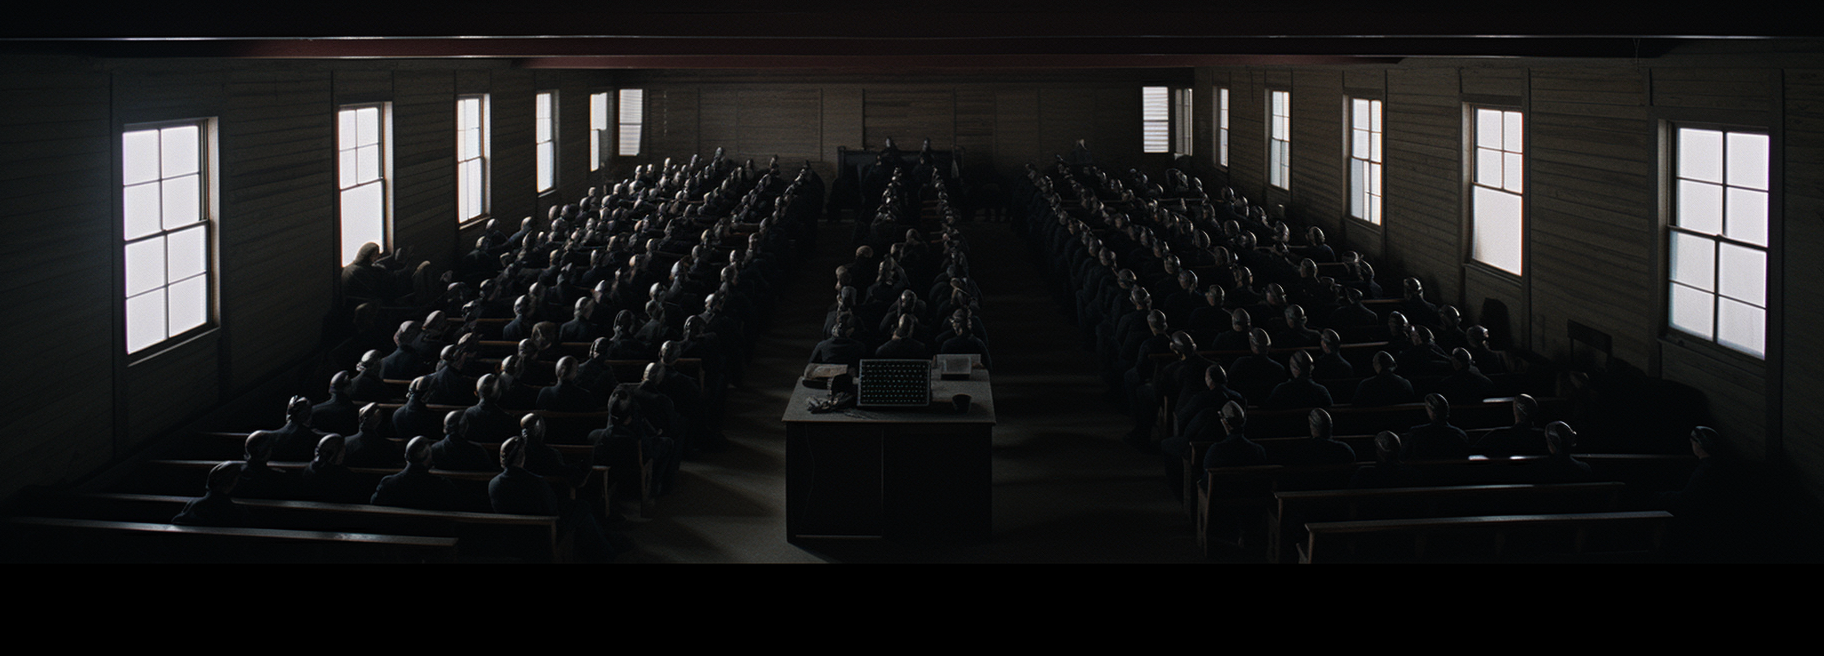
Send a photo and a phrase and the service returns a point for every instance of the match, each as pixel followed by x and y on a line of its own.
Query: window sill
pixel 1707 349
pixel 196 336
pixel 462 226
pixel 1493 271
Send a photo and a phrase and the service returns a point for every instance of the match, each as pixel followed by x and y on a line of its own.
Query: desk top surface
pixel 981 405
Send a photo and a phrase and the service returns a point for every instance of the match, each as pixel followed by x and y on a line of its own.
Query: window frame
pixel 208 209
pixel 484 158
pixel 544 148
pixel 623 107
pixel 385 176
pixel 1183 139
pixel 1472 167
pixel 1279 150
pixel 1374 168
pixel 1671 230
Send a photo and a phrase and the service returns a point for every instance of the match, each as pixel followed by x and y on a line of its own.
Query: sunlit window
pixel 1155 120
pixel 362 163
pixel 1497 178
pixel 545 134
pixel 1717 268
pixel 633 109
pixel 598 130
pixel 1279 139
pixel 471 157
pixel 1365 160
pixel 1181 121
pixel 1222 128
pixel 167 191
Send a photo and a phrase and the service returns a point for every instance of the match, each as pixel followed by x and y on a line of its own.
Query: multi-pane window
pixel 166 190
pixel 1155 120
pixel 1718 237
pixel 598 130
pixel 545 134
pixel 1222 128
pixel 1279 139
pixel 361 174
pixel 471 157
pixel 633 109
pixel 1496 181
pixel 1181 121
pixel 1365 160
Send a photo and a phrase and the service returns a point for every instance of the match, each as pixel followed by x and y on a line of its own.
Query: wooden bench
pixel 59 539
pixel 483 535
pixel 1285 526
pixel 1490 538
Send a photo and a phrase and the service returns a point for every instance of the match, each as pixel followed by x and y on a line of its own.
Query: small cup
pixel 960 403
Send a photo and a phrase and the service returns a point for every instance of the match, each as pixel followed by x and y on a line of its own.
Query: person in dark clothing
pixel 1256 374
pixel 455 452
pixel 367 385
pixel 903 345
pixel 296 440
pixel 486 421
pixel 1437 440
pixel 337 415
pixel 258 479
pixel 1561 466
pixel 415 417
pixel 1385 387
pixel 1388 470
pixel 1321 449
pixel 520 491
pixel 326 479
pixel 1522 439
pixel 1331 365
pixel 841 347
pixel 216 507
pixel 415 486
pixel 567 395
pixel 367 447
pixel 1301 391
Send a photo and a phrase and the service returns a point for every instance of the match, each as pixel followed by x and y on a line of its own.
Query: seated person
pixel 1387 471
pixel 1437 440
pixel 1524 438
pixel 1561 466
pixel 1301 391
pixel 216 507
pixel 1321 449
pixel 415 486
pixel 1385 387
pixel 326 479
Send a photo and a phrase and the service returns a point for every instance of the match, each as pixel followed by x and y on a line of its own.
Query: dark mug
pixel 961 403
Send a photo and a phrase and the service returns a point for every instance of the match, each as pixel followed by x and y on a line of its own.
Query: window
pixel 1181 121
pixel 1279 139
pixel 1717 237
pixel 633 108
pixel 545 135
pixel 471 157
pixel 1222 128
pixel 167 208
pixel 598 130
pixel 1496 179
pixel 1155 120
pixel 1365 160
pixel 363 157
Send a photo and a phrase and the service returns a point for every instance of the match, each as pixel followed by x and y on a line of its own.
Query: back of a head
pixel 223 477
pixel 1234 416
pixel 1384 362
pixel 330 449
pixel 1559 438
pixel 418 451
pixel 1387 446
pixel 259 446
pixel 513 452
pixel 1321 424
pixel 1526 408
pixel 1301 364
pixel 1437 406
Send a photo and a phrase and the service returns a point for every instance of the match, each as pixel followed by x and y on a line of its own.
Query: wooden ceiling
pixel 862 34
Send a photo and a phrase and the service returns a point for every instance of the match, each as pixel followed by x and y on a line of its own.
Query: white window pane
pixel 595 149
pixel 468 144
pixel 1358 182
pixel 1497 239
pixel 1225 147
pixel 1374 207
pixel 629 142
pixel 140 207
pixel 1358 114
pixel 187 253
pixel 1747 214
pixel 189 304
pixel 543 106
pixel 598 111
pixel 367 164
pixel 367 126
pixel 1488 129
pixel 145 265
pixel 1375 153
pixel 1748 160
pixel 139 156
pixel 363 219
pixel 471 189
pixel 1374 111
pixel 1700 207
pixel 1511 169
pixel 545 155
pixel 1374 179
pixel 1700 155
pixel 1694 261
pixel 346 171
pixel 633 105
pixel 469 114
pixel 542 130
pixel 1693 311
pixel 145 320
pixel 1359 145
pixel 346 138
pixel 1488 167
pixel 1741 327
pixel 1152 104
pixel 1510 132
pixel 1744 274
pixel 181 201
pixel 179 150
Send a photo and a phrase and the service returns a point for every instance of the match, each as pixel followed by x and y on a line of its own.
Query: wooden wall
pixel 1595 234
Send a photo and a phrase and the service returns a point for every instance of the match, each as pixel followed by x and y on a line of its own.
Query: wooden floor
pixel 1066 489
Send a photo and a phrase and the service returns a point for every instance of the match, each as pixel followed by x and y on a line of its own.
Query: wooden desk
pixel 902 474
